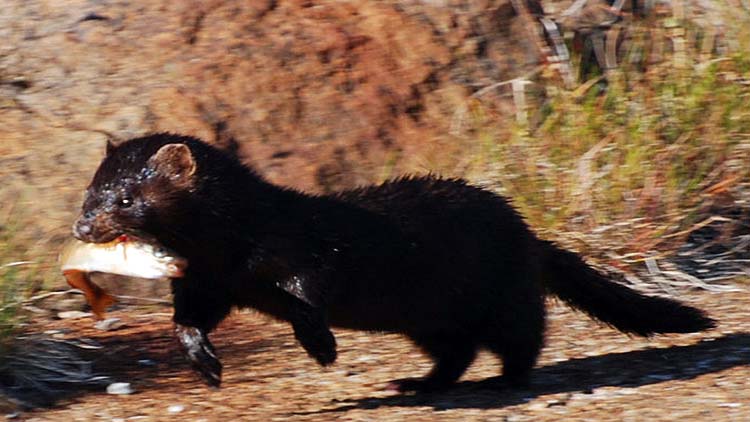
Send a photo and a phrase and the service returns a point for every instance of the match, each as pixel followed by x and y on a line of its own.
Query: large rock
pixel 302 89
pixel 317 95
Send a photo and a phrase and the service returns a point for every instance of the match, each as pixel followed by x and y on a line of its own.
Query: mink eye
pixel 125 202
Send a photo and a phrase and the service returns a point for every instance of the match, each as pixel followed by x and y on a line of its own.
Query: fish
pixel 126 255
pixel 98 299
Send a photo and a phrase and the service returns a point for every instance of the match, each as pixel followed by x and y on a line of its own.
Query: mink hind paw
pixel 201 353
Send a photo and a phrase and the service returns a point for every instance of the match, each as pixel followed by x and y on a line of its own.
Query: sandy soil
pixel 586 372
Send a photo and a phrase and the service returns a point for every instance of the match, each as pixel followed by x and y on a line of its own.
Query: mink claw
pixel 201 354
pixel 209 371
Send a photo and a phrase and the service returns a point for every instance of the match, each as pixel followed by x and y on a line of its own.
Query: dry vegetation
pixel 12 272
pixel 638 160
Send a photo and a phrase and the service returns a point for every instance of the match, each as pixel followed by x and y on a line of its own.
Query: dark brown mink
pixel 451 266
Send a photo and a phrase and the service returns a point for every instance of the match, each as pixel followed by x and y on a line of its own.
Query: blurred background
pixel 620 129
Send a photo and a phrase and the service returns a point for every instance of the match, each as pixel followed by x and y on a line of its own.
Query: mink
pixel 449 265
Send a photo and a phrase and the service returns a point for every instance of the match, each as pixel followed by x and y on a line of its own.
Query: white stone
pixel 120 388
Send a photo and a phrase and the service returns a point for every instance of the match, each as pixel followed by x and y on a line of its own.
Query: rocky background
pixel 316 95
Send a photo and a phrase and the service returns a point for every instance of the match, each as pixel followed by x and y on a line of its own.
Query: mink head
pixel 141 186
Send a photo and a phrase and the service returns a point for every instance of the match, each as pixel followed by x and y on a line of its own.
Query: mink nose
pixel 81 229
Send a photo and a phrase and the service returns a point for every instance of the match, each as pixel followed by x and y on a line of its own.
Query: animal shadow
pixel 627 369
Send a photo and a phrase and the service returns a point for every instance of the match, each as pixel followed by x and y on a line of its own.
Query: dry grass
pixel 27 264
pixel 627 165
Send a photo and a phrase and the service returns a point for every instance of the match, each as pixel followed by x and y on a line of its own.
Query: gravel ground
pixel 586 372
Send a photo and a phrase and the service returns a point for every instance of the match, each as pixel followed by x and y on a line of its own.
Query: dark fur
pixel 451 266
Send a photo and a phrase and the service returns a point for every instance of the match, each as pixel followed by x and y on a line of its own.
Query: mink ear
pixel 110 147
pixel 174 161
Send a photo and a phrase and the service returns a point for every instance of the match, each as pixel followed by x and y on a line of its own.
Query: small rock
pixel 175 408
pixel 109 324
pixel 537 405
pixel 73 314
pixel 57 333
pixel 120 388
pixel 146 362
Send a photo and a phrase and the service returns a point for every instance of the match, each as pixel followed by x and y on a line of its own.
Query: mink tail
pixel 569 278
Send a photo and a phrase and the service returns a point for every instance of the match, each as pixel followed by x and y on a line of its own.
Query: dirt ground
pixel 586 372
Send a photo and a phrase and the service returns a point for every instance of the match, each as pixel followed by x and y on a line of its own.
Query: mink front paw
pixel 321 347
pixel 201 353
pixel 315 337
pixel 326 355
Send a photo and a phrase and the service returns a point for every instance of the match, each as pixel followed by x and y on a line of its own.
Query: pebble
pixel 537 405
pixel 120 388
pixel 73 314
pixel 59 331
pixel 109 324
pixel 175 408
